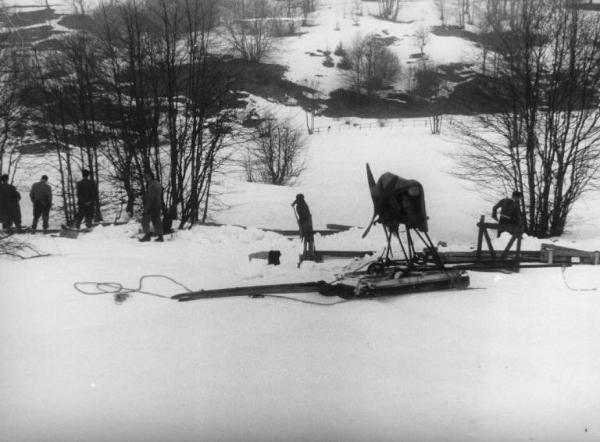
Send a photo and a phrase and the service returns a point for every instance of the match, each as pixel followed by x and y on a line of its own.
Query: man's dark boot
pixel 159 239
pixel 145 238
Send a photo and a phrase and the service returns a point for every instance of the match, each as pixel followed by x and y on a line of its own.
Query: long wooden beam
pixel 257 290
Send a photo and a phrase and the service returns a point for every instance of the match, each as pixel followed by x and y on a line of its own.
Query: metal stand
pixel 413 259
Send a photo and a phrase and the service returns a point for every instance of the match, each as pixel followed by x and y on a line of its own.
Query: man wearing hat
pixel 305 224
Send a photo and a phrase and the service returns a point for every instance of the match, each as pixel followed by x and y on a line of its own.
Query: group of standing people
pixel 10 207
pixel 41 198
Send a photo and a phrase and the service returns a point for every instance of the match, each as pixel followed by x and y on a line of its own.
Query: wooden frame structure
pixel 516 233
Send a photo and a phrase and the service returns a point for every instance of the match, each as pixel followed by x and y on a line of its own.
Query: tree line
pixel 533 102
pixel 149 85
pixel 541 135
pixel 145 85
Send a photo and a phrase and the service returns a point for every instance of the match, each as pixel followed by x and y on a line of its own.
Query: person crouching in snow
pixel 152 208
pixel 305 225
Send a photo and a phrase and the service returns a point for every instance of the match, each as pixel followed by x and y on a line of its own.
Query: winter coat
pixel 510 211
pixel 9 203
pixel 153 198
pixel 86 191
pixel 304 220
pixel 41 192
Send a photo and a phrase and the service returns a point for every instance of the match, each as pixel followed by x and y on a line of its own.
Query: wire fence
pixel 383 124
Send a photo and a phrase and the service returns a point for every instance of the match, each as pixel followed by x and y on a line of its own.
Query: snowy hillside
pixel 514 358
pixel 335 24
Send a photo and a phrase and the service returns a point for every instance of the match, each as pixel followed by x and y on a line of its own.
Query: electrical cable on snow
pixel 122 293
pixel 563 270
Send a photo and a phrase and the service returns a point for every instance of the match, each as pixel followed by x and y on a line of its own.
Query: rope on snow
pixel 121 293
pixel 563 271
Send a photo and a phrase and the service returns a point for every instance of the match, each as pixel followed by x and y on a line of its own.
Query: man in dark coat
pixel 152 209
pixel 86 195
pixel 10 210
pixel 41 197
pixel 305 224
pixel 510 212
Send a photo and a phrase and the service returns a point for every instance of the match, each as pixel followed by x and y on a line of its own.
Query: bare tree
pixel 12 112
pixel 543 136
pixel 276 154
pixel 422 35
pixel 442 9
pixel 67 96
pixel 171 93
pixel 314 94
pixel 388 9
pixel 249 29
pixel 469 11
pixel 460 13
pixel 372 64
pixel 124 31
pixel 78 6
pixel 53 106
pixel 356 12
pixel 308 7
pixel 83 88
pixel 430 87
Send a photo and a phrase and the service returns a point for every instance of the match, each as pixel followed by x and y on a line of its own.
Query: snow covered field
pixel 513 359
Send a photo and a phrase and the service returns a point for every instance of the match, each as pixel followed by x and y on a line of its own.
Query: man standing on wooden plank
pixel 305 225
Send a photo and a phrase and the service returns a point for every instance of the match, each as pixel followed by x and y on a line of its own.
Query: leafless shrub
pixel 276 154
pixel 250 28
pixel 542 137
pixel 422 37
pixel 372 64
pixel 388 9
